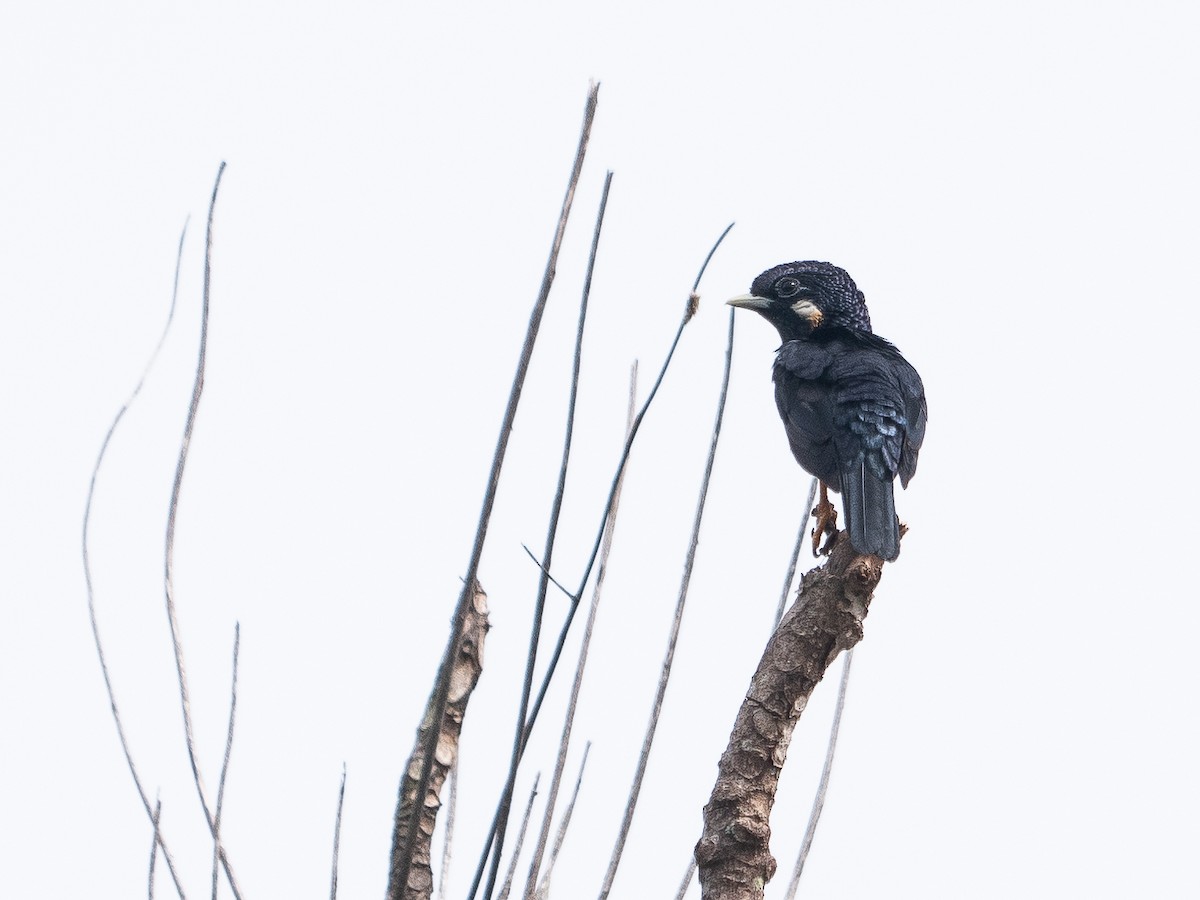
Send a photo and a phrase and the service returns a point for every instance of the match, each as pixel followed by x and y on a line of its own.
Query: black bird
pixel 852 406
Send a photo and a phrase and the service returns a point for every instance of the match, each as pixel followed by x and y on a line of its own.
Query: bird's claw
pixel 826 526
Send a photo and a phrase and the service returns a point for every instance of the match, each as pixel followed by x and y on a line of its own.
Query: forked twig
pixel 652 726
pixel 169 552
pixel 552 665
pixel 688 313
pixel 535 631
pixel 152 814
pixel 237 643
pixel 403 855
pixel 545 572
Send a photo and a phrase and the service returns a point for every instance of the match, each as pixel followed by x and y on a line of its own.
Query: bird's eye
pixel 787 287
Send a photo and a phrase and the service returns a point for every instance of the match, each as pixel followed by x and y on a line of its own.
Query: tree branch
pixel 418 808
pixel 733 855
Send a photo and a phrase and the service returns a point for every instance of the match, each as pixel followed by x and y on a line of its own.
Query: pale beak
pixel 749 301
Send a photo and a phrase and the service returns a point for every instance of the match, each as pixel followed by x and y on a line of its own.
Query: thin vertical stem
pixel 399 874
pixel 172 510
pixel 687 880
pixel 237 643
pixel 153 849
pixel 543 888
pixel 819 801
pixel 152 814
pixel 451 810
pixel 516 854
pixel 551 534
pixel 647 743
pixel 337 836
pixel 580 666
pixel 791 572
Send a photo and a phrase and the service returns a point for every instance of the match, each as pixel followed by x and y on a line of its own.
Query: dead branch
pixel 420 808
pixel 733 855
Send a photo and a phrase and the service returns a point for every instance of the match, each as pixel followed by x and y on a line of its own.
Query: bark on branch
pixel 465 670
pixel 733 855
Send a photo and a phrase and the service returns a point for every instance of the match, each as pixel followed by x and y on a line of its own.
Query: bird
pixel 852 406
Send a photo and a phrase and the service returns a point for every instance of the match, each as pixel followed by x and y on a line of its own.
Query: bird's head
pixel 799 298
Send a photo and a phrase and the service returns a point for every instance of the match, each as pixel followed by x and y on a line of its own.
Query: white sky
pixel 1016 192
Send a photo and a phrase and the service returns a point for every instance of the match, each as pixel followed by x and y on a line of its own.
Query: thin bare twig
pixel 237 643
pixel 91 595
pixel 569 719
pixel 153 849
pixel 402 860
pixel 506 887
pixel 169 552
pixel 552 665
pixel 543 888
pixel 819 801
pixel 694 542
pixel 687 880
pixel 535 631
pixel 337 836
pixel 791 572
pixel 689 312
pixel 546 572
pixel 451 807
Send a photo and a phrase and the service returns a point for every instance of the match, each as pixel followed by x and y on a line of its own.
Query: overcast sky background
pixel 1013 186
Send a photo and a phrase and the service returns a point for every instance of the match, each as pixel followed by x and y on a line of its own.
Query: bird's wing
pixel 879 415
pixel 803 396
pixel 916 414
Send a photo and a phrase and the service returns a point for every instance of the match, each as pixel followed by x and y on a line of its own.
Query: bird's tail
pixel 870 512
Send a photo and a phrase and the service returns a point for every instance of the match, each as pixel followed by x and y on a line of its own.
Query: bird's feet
pixel 826 517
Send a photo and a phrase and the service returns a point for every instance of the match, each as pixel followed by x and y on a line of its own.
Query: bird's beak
pixel 749 301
